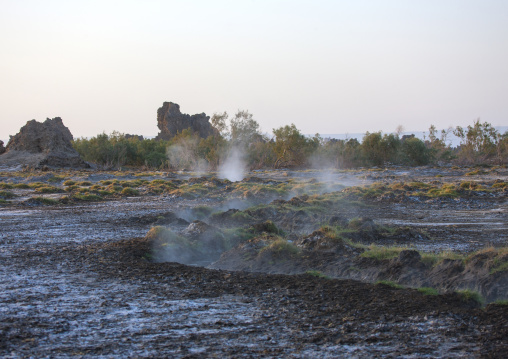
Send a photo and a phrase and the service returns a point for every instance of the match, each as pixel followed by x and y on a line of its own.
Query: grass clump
pixel 37 185
pixel 467 295
pixel 428 291
pixel 21 186
pixel 6 195
pixel 500 185
pixel 55 179
pixel 45 201
pixel 4 185
pixel 87 197
pixel 433 259
pixel 129 191
pixel 501 302
pixel 280 247
pixel 476 172
pixel 316 273
pixel 234 236
pixel 84 183
pixel 69 183
pixel 48 189
pixel 381 252
pixel 389 283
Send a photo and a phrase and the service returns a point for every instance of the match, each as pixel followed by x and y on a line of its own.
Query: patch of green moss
pixel 316 273
pixel 389 283
pixel 428 291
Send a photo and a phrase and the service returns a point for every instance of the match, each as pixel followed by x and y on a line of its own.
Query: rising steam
pixel 233 167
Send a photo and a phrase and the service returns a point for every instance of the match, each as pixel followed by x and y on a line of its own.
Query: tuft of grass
pixel 55 179
pixel 21 186
pixel 37 184
pixel 316 273
pixel 475 172
pixel 466 295
pixel 4 185
pixel 433 259
pixel 501 185
pixel 501 302
pixel 7 194
pixel 48 189
pixel 129 191
pixel 84 183
pixel 381 252
pixel 281 248
pixel 113 188
pixel 390 284
pixel 69 183
pixel 45 201
pixel 428 291
pixel 86 197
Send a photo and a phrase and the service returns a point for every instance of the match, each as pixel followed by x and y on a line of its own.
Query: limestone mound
pixel 39 145
pixel 171 121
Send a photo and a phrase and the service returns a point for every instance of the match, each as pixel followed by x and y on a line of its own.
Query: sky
pixel 326 66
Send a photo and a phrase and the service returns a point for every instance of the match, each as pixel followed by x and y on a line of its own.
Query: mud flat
pixel 79 277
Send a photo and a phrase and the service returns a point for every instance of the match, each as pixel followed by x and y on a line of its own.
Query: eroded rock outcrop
pixel 2 148
pixel 40 144
pixel 171 121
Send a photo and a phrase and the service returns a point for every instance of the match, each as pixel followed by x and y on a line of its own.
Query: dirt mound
pixel 171 121
pixel 39 145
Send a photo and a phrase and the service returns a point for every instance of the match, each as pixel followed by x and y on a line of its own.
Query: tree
pixel 244 129
pixel 414 152
pixel 478 143
pixel 292 147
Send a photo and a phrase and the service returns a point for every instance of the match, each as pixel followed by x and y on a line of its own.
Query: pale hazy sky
pixel 327 66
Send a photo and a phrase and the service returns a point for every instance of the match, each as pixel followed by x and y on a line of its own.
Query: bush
pixel 414 152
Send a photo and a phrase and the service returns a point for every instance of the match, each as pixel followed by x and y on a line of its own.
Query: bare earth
pixel 76 283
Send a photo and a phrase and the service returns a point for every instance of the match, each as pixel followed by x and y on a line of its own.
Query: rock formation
pixel 171 121
pixel 2 148
pixel 42 144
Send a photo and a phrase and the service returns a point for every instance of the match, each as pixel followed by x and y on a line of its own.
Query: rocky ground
pixel 76 282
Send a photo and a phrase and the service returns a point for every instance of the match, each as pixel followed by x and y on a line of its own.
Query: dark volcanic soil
pixel 76 283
